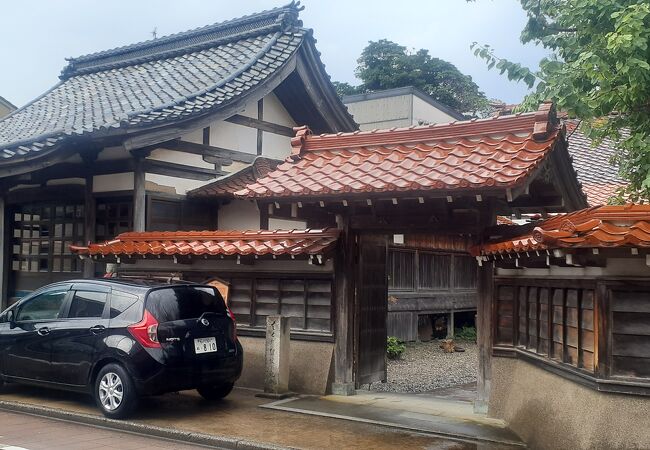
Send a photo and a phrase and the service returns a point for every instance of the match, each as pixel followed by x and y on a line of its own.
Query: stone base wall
pixel 551 412
pixel 310 365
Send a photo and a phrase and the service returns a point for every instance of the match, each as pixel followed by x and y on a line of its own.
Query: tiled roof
pixel 477 154
pixel 152 83
pixel 227 186
pixel 502 220
pixel 216 243
pixel 598 176
pixel 595 227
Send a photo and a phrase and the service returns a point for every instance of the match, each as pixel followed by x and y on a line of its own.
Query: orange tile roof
pixel 215 243
pixel 596 227
pixel 503 220
pixel 494 153
pixel 227 186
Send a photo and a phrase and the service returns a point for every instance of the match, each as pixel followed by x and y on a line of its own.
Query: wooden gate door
pixel 371 311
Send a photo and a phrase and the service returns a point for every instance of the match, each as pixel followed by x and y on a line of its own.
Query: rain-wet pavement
pixel 239 416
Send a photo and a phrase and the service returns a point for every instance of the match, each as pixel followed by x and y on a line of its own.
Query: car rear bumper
pixel 192 375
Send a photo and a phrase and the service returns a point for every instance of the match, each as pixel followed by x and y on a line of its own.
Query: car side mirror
pixel 11 318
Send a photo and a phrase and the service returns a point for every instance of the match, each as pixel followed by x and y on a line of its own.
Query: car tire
pixel 214 393
pixel 115 392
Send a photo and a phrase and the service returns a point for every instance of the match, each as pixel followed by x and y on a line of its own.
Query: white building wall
pixel 426 113
pixel 286 224
pixel 381 113
pixel 113 182
pixel 239 215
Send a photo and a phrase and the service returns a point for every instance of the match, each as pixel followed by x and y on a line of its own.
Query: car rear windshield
pixel 184 302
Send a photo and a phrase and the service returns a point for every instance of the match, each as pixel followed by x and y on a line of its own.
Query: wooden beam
pixel 261 125
pixel 180 170
pixel 206 150
pixel 139 196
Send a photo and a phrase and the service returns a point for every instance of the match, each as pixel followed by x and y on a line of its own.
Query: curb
pixel 172 434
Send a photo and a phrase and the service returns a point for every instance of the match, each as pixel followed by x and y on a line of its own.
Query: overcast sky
pixel 37 35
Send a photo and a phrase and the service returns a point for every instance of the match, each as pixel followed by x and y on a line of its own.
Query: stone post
pixel 276 372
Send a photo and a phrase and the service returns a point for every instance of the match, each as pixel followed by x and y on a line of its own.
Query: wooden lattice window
pixel 306 302
pixel 554 322
pixel 42 235
pixel 114 216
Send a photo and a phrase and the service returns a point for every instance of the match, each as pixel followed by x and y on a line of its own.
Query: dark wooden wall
pixel 596 329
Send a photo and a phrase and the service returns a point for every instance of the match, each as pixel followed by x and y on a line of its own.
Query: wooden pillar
pixel 5 254
pixel 450 325
pixel 139 196
pixel 89 225
pixel 485 289
pixel 260 133
pixel 344 305
pixel 484 296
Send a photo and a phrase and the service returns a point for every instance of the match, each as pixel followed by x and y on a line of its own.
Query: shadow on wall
pixel 310 365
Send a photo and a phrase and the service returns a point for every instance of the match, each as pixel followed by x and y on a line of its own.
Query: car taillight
pixel 146 331
pixel 234 324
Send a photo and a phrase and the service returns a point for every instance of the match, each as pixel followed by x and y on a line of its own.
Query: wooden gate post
pixel 484 330
pixel 344 306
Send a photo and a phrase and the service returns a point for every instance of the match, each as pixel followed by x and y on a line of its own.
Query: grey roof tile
pixel 155 81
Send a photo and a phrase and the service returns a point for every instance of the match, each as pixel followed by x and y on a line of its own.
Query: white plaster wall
pixel 284 224
pixel 164 183
pixel 274 112
pixel 195 136
pixel 424 112
pixel 233 137
pixel 380 112
pixel 275 145
pixel 239 215
pixel 114 182
pixel 64 181
pixel 187 159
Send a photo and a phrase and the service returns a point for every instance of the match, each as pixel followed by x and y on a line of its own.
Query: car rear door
pixel 194 325
pixel 25 349
pixel 75 341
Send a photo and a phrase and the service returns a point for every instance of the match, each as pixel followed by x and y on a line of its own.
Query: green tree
pixel 385 65
pixel 343 88
pixel 598 70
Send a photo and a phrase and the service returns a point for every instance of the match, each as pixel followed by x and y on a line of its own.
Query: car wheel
pixel 114 392
pixel 217 392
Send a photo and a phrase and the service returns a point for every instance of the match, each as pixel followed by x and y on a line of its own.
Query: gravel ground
pixel 425 367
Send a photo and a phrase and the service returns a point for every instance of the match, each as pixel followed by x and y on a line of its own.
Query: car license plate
pixel 205 345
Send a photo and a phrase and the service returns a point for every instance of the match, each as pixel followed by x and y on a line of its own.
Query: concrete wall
pixel 382 113
pixel 551 412
pixel 424 112
pixel 310 365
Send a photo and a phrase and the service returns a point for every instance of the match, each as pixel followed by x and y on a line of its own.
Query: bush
pixel 394 347
pixel 466 334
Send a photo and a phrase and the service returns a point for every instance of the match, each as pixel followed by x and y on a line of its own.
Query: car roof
pixel 129 284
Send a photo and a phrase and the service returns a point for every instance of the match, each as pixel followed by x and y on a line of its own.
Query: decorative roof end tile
pixel 298 141
pixel 545 120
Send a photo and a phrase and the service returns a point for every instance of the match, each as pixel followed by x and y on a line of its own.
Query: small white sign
pixel 398 239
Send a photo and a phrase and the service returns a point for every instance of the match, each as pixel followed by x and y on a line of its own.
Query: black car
pixel 120 340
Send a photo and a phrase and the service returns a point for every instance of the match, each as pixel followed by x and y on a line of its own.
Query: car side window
pixel 120 302
pixel 87 304
pixel 45 306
